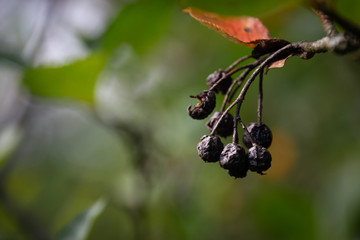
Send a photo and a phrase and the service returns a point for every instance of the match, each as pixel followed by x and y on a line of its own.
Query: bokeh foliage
pixel 113 126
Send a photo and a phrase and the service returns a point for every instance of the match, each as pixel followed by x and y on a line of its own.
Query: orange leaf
pixel 243 30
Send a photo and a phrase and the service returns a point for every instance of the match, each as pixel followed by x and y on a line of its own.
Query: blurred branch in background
pixel 26 221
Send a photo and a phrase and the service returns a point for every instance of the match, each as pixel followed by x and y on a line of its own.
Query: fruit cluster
pixel 257 136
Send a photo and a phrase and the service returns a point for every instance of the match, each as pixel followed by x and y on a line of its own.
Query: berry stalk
pixel 239 80
pixel 235 132
pixel 245 88
pixel 260 98
pixel 234 64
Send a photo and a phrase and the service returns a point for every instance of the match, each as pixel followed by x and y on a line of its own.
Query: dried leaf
pixel 243 30
pixel 278 64
pixel 271 45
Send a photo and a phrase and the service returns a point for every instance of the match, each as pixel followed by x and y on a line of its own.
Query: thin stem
pixel 227 75
pixel 239 85
pixel 258 70
pixel 260 98
pixel 241 96
pixel 227 95
pixel 237 62
pixel 246 131
pixel 235 132
pixel 239 80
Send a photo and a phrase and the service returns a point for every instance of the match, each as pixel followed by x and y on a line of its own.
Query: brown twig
pixel 331 13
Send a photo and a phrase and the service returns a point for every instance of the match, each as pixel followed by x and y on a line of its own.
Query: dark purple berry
pixel 224 85
pixel 259 159
pixel 225 127
pixel 261 134
pixel 206 105
pixel 209 148
pixel 237 172
pixel 234 160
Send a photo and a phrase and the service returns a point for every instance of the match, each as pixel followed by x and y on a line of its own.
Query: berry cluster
pixel 257 136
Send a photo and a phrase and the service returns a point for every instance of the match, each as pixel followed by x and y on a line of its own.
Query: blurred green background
pixel 95 141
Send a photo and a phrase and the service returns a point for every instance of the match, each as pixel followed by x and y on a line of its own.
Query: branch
pixel 268 53
pixel 278 50
pixel 26 221
pixel 332 14
pixel 340 43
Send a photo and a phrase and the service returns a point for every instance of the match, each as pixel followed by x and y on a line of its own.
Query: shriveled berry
pixel 224 85
pixel 234 160
pixel 225 127
pixel 237 172
pixel 259 159
pixel 206 105
pixel 261 134
pixel 209 148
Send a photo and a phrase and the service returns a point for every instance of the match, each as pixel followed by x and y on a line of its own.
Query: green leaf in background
pixel 139 24
pixel 75 81
pixel 80 226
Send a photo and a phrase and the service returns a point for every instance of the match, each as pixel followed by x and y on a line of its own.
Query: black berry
pixel 261 134
pixel 259 159
pixel 234 160
pixel 206 105
pixel 209 148
pixel 225 127
pixel 224 85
